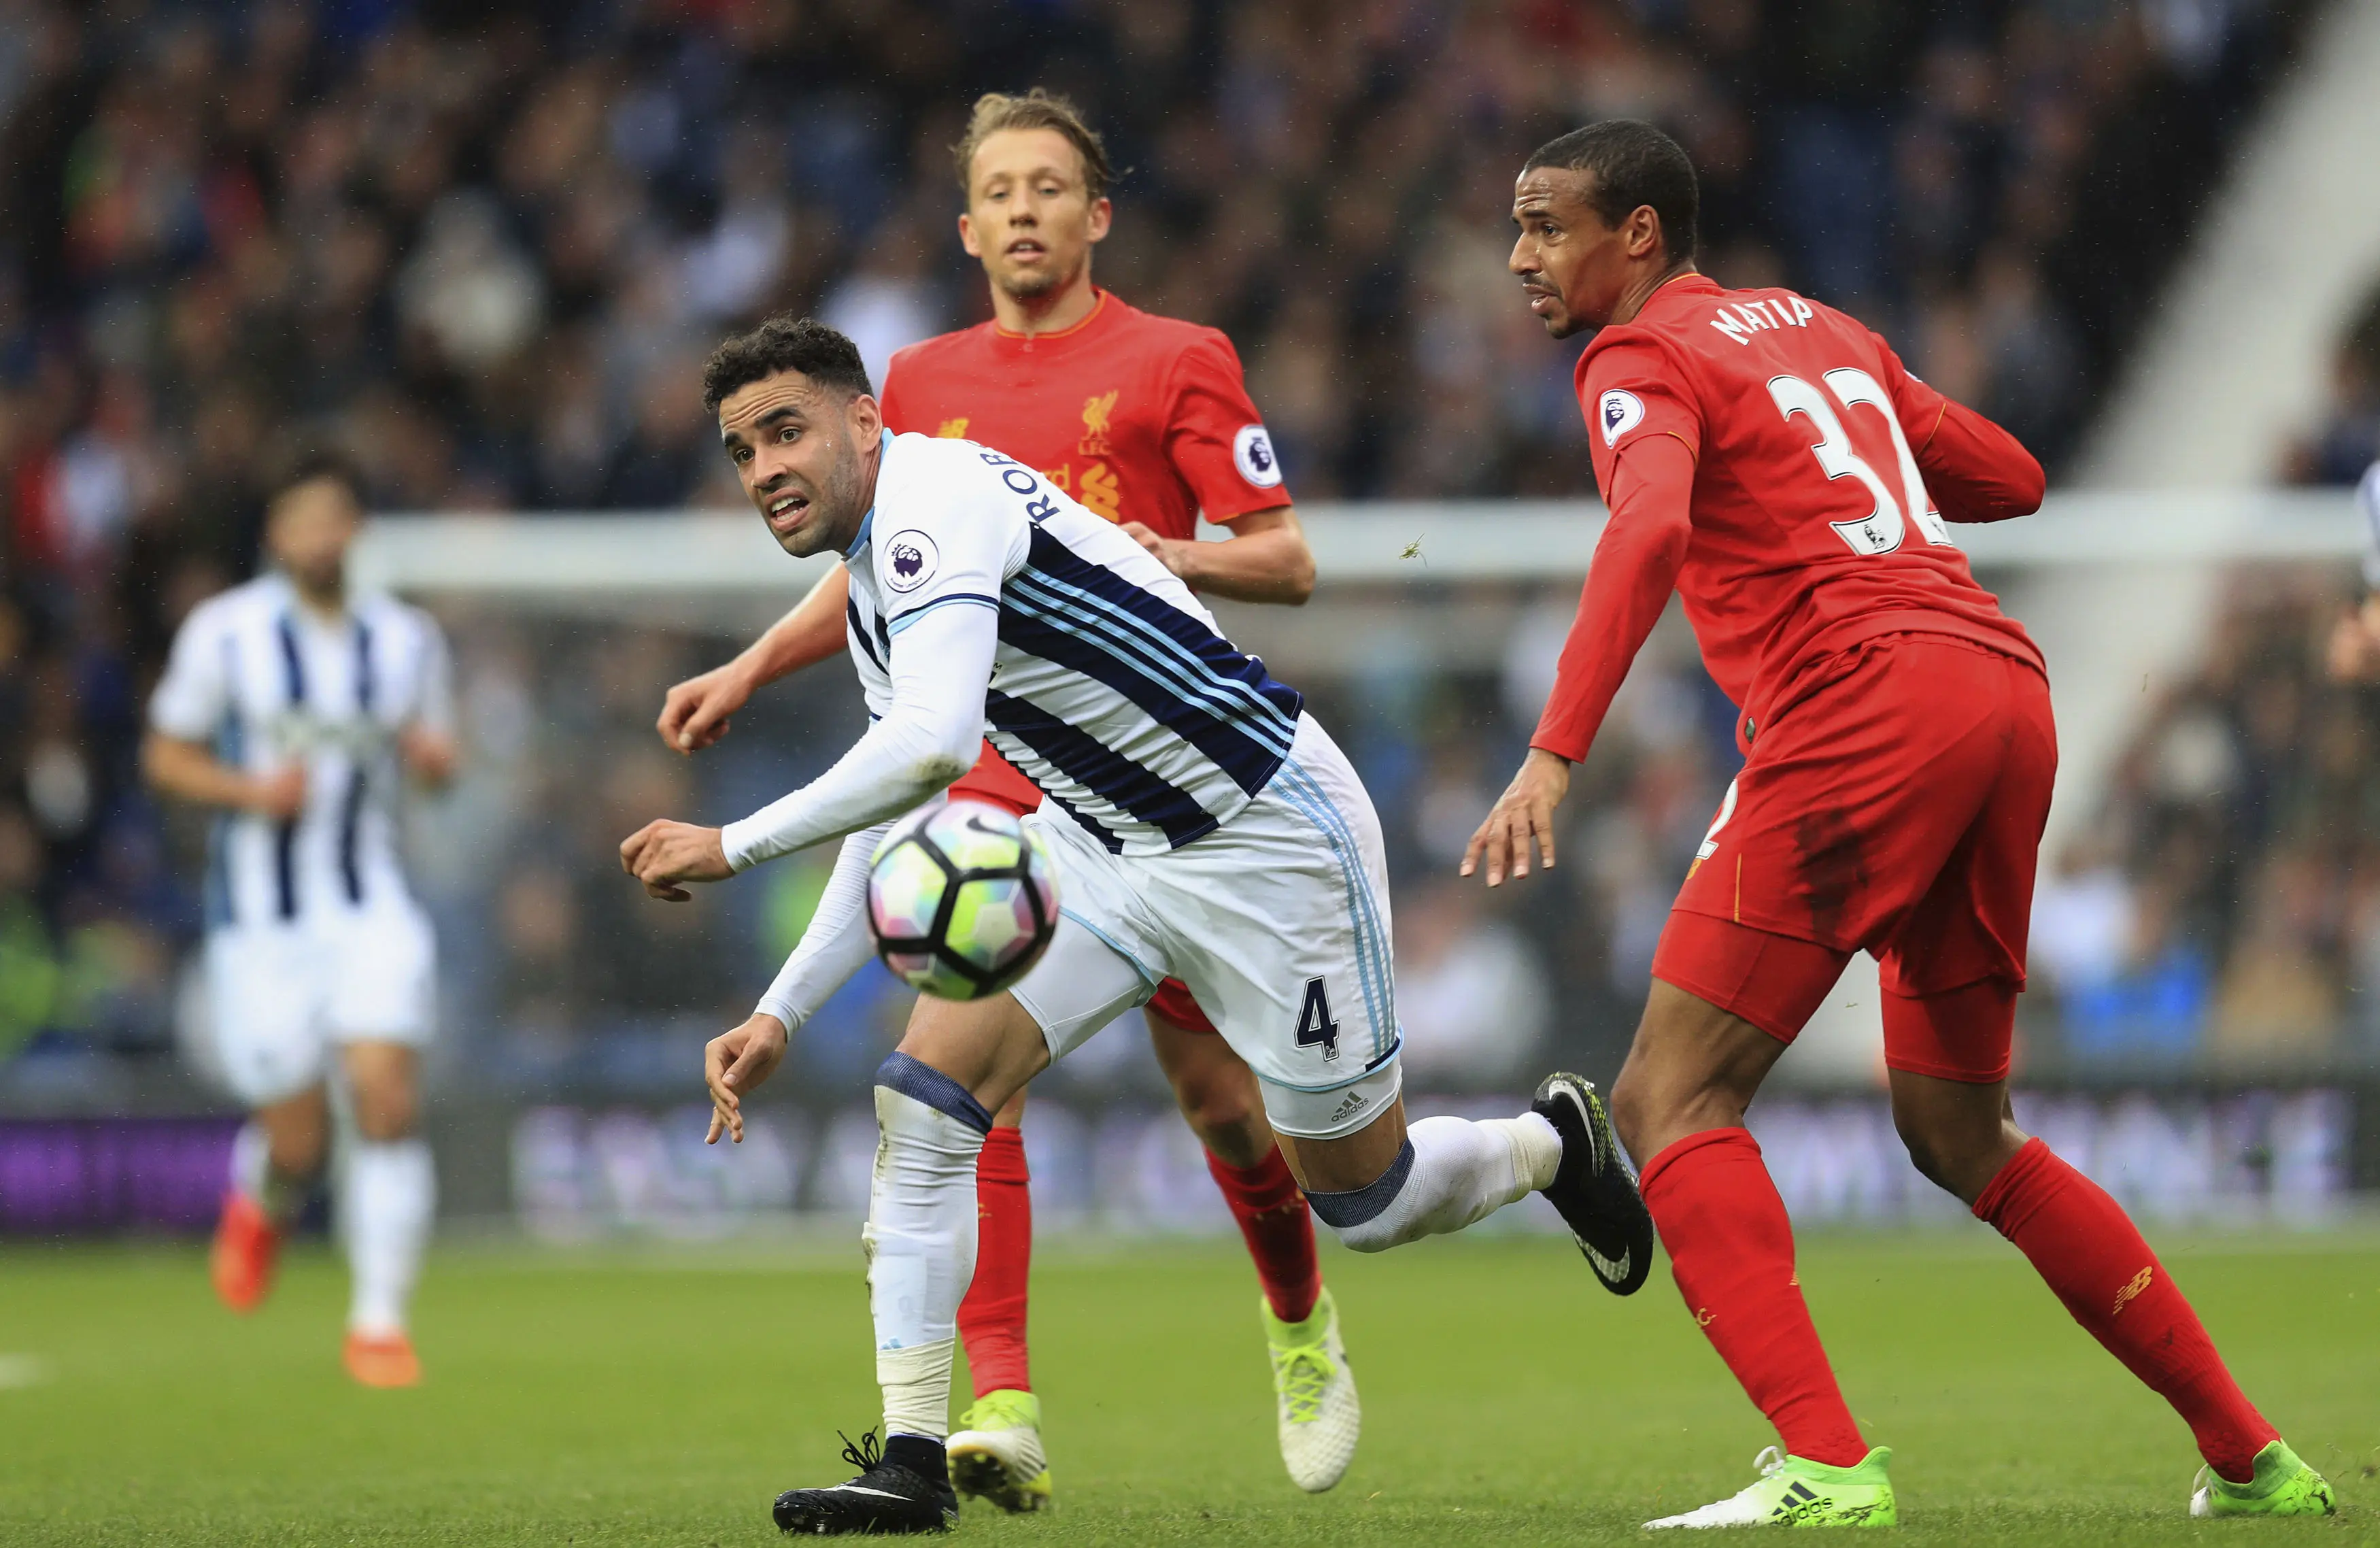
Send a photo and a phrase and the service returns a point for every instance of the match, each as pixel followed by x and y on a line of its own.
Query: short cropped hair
pixel 1632 163
pixel 997 111
pixel 315 465
pixel 783 343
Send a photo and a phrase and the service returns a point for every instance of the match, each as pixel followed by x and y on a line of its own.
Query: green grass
pixel 666 1398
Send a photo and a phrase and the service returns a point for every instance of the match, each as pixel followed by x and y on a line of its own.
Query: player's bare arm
pixel 187 771
pixel 697 710
pixel 430 756
pixel 1265 559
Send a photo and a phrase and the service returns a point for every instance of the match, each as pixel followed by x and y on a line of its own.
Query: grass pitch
pixel 664 1397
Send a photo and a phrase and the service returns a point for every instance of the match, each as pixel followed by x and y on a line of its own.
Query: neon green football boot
pixel 996 1452
pixel 1319 1416
pixel 2283 1487
pixel 1796 1492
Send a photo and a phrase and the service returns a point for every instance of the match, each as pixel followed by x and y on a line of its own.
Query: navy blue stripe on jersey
pixel 1091 826
pixel 1099 769
pixel 859 633
pixel 1177 671
pixel 285 833
pixel 1157 623
pixel 903 620
pixel 351 811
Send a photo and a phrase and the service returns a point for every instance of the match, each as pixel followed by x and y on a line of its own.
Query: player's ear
pixel 866 419
pixel 1103 217
pixel 1644 234
pixel 966 235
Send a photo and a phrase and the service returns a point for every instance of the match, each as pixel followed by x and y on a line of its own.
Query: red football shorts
pixel 1894 807
pixel 995 779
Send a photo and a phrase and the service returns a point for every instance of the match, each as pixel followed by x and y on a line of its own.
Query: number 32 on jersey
pixel 1882 529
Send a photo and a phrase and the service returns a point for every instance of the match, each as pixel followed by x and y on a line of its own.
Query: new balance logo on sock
pixel 1349 1108
pixel 2131 1292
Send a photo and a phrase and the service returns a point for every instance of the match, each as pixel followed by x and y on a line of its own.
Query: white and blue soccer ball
pixel 961 900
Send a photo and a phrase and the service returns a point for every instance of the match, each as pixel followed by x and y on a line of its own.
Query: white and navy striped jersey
pixel 267 682
pixel 1111 687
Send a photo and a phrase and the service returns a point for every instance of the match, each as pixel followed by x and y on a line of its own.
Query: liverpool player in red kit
pixel 1769 458
pixel 1145 420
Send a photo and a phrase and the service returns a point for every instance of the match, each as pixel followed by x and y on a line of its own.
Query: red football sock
pixel 1272 1213
pixel 2083 1244
pixel 1731 1248
pixel 991 1318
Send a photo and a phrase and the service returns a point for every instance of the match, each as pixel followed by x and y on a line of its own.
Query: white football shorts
pixel 1278 922
pixel 279 996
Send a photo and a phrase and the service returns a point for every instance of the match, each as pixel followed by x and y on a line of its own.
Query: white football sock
pixel 920 1239
pixel 254 1177
pixel 1454 1172
pixel 390 1198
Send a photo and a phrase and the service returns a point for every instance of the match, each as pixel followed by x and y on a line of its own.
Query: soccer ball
pixel 961 900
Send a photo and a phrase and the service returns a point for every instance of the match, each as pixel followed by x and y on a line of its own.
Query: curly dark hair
pixel 1634 164
pixel 783 343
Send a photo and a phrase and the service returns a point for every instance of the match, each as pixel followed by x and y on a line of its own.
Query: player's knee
pixel 1366 1218
pixel 1228 1120
pixel 386 1113
pixel 1958 1157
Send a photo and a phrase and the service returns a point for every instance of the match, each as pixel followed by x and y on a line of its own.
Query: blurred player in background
pixel 294 710
pixel 1770 457
pixel 2355 640
pixel 1145 421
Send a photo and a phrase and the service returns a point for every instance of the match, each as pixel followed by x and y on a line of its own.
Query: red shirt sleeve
pixel 1213 437
pixel 1974 471
pixel 1651 483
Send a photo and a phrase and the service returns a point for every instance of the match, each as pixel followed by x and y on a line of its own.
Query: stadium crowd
pixel 482 249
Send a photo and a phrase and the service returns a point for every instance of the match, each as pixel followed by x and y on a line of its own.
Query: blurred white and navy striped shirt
pixel 267 683
pixel 1111 689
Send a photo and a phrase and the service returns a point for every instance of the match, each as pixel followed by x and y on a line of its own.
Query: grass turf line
pixel 666 1399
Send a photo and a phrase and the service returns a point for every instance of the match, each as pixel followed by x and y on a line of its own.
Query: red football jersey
pixel 1821 473
pixel 1140 418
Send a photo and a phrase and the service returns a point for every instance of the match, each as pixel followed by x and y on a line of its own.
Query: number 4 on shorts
pixel 1314 1023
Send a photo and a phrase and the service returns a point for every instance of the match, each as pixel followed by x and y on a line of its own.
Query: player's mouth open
pixel 1027 249
pixel 786 509
pixel 1539 300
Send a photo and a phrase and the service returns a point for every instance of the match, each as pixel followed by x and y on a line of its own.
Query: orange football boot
pixel 246 1245
pixel 383 1360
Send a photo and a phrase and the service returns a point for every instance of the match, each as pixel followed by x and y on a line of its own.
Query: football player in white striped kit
pixel 295 710
pixel 1204 827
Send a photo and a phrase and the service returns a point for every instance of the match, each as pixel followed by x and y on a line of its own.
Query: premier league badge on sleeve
pixel 909 560
pixel 1252 453
pixel 1621 411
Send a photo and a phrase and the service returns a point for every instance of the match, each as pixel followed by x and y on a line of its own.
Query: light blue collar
pixel 865 524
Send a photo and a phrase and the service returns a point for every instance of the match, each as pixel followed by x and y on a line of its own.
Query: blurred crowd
pixel 483 249
pixel 2226 904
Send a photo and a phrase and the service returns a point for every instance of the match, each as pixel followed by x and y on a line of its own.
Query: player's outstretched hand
pixel 735 1062
pixel 1524 811
pixel 694 716
pixel 663 854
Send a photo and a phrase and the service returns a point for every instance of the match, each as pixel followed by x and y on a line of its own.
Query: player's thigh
pixel 1103 958
pixel 263 997
pixel 992 1047
pixel 1279 924
pixel 383 967
pixel 1352 1161
pixel 1855 794
pixel 1975 919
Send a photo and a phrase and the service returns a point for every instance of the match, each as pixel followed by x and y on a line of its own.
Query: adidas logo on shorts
pixel 1349 1108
